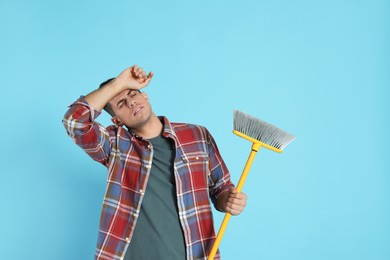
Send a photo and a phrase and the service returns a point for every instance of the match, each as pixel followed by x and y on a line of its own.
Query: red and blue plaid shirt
pixel 199 172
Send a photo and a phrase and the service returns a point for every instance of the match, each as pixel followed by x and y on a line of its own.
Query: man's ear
pixel 116 121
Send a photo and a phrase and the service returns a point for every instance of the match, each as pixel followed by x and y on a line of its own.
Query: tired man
pixel 161 175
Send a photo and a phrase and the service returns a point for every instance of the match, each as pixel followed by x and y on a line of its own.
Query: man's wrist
pixel 115 86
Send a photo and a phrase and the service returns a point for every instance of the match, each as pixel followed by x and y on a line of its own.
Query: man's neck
pixel 151 129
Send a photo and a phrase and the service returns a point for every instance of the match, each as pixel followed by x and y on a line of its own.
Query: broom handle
pixel 248 165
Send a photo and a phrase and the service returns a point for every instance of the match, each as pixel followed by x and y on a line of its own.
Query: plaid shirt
pixel 199 172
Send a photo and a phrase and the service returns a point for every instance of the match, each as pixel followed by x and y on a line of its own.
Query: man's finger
pixel 147 79
pixel 238 195
pixel 233 211
pixel 134 68
pixel 234 200
pixel 142 75
pixel 149 76
pixel 139 71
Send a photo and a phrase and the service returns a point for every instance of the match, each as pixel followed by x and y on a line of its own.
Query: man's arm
pixel 79 120
pixel 93 138
pixel 222 191
pixel 131 78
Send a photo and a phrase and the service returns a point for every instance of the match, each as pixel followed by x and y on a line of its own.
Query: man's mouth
pixel 137 109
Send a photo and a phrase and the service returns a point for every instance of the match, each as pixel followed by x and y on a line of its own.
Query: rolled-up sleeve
pixel 92 137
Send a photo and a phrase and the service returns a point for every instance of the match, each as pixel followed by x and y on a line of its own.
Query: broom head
pixel 260 132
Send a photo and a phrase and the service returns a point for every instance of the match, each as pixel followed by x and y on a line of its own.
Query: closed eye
pixel 120 103
pixel 132 93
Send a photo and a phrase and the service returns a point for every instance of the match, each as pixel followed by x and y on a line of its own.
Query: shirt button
pixel 149 146
pixel 148 166
pixel 127 239
pixel 141 191
pixel 197 158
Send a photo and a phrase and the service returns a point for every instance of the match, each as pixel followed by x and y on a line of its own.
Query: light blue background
pixel 317 69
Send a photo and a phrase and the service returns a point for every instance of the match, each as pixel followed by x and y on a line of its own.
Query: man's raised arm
pixel 131 78
pixel 79 120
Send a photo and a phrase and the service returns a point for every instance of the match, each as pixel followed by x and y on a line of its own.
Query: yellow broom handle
pixel 255 148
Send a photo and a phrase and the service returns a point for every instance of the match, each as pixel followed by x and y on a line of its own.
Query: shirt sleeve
pixel 219 178
pixel 93 138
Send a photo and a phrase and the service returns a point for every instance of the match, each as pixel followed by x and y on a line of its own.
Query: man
pixel 161 175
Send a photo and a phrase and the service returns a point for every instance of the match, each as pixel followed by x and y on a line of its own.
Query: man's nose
pixel 131 102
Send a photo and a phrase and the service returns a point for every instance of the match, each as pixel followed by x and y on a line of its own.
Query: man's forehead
pixel 122 94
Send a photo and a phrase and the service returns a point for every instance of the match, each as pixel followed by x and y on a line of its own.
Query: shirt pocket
pixel 195 169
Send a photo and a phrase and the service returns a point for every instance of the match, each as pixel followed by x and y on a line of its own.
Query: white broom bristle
pixel 261 131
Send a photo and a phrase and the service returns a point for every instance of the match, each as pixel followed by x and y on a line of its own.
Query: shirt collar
pixel 168 130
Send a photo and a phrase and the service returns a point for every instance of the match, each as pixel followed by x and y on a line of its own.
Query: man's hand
pixel 232 201
pixel 133 78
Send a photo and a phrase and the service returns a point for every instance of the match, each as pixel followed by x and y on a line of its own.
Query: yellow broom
pixel 260 133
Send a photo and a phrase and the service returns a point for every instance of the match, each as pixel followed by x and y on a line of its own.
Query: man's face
pixel 131 108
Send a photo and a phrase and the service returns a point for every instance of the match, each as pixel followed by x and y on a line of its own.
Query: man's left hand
pixel 234 202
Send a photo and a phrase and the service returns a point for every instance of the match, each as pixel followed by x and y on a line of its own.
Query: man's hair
pixel 108 107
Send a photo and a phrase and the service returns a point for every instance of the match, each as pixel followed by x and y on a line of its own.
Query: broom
pixel 260 133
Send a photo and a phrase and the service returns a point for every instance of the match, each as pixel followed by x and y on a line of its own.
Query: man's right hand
pixel 133 78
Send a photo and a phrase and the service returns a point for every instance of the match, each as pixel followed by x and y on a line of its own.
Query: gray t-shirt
pixel 158 233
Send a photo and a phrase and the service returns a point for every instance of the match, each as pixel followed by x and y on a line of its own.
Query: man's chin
pixel 139 122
